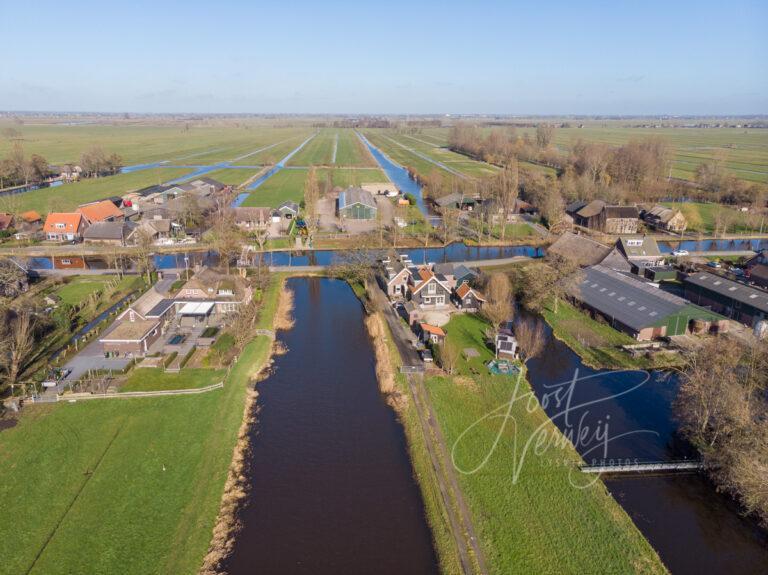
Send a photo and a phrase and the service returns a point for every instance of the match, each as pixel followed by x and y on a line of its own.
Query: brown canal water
pixel 332 487
pixel 694 529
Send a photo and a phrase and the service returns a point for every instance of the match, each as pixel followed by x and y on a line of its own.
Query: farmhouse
pixel 735 300
pixel 111 233
pixel 356 204
pixel 252 218
pixel 62 227
pixel 226 293
pixel 640 251
pixel 288 210
pixel 579 249
pixel 103 211
pixel 131 337
pixel 667 219
pixel 428 290
pixel 636 307
pixel 597 215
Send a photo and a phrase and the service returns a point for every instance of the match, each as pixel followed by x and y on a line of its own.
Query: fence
pixel 125 395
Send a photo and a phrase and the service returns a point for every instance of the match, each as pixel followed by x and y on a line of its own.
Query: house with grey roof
pixel 640 251
pixel 112 233
pixel 356 204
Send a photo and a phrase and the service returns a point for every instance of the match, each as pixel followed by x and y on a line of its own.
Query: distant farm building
pixel 356 204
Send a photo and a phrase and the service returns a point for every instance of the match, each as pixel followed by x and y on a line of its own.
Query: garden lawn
pixel 537 522
pixel 68 196
pixel 120 486
pixel 78 288
pixel 287 184
pixel 155 379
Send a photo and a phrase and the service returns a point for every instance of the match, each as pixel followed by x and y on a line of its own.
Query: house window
pixel 440 300
pixel 60 226
pixel 66 262
pixel 225 292
pixel 432 288
pixel 427 300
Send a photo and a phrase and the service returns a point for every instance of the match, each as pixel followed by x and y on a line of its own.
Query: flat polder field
pixel 233 153
pixel 744 150
pixel 236 151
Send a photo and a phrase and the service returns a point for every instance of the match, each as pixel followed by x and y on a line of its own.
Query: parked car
pixel 426 356
pixel 737 272
pixel 680 253
pixel 716 265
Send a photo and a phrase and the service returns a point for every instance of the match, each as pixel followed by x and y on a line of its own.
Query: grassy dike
pixel 123 486
pixel 535 521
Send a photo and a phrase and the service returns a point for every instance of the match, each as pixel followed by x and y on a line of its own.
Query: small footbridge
pixel 634 466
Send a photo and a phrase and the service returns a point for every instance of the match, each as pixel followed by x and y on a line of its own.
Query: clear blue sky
pixel 619 57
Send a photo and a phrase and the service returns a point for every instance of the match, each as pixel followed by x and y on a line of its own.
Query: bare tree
pixel 16 346
pixel 449 356
pixel 311 200
pixel 531 337
pixel 227 240
pixel 261 234
pixel 544 133
pixel 144 252
pixel 505 190
pixel 498 307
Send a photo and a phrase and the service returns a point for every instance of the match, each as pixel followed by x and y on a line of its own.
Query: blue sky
pixel 620 57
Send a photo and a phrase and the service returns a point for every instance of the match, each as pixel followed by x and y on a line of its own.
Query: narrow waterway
pixel 694 529
pixel 714 245
pixel 399 176
pixel 456 252
pixel 332 485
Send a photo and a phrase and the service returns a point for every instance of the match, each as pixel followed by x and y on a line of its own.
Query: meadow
pixel 285 185
pixel 537 522
pixel 317 152
pixel 142 143
pixel 68 196
pixel 78 478
pixel 352 152
pixel 233 176
pixel 288 184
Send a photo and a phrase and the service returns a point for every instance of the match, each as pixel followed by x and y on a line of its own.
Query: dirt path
pixel 459 517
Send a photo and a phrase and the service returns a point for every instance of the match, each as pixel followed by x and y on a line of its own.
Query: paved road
pixel 459 516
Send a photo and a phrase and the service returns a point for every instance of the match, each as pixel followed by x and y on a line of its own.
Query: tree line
pixel 639 170
pixel 18 168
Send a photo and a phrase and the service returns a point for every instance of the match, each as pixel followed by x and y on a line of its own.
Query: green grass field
pixel 200 144
pixel 537 521
pixel 155 379
pixel 275 153
pixel 351 151
pixel 284 185
pixel 232 176
pixel 120 486
pixel 317 152
pixel 68 196
pixel 353 177
pixel 78 288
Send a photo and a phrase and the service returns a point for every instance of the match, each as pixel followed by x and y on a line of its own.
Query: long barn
pixel 635 307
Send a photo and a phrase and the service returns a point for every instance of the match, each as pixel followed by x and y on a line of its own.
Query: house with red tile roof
pixel 467 299
pixel 103 211
pixel 64 226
